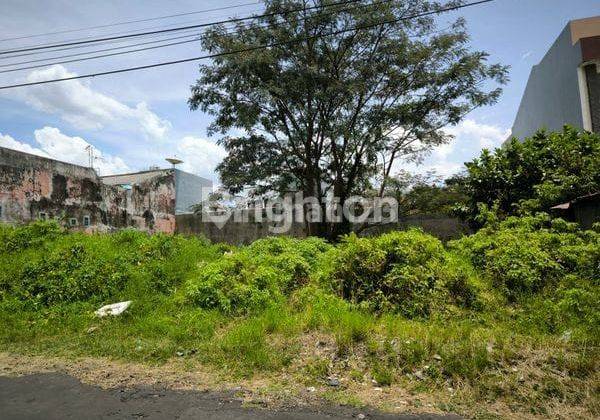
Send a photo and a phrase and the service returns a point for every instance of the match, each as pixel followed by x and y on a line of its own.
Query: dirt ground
pixel 177 381
pixel 36 387
pixel 281 393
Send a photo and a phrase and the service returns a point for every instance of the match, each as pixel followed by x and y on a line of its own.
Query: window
pixel 43 216
pixel 72 221
pixel 86 221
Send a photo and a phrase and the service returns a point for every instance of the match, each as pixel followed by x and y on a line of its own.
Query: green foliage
pixel 526 255
pixel 246 346
pixel 549 266
pixel 405 272
pixel 256 276
pixel 321 112
pixel 521 292
pixel 423 194
pixel 69 273
pixel 382 375
pixel 46 267
pixel 31 235
pixel 534 175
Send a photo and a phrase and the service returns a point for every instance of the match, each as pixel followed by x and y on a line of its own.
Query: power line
pixel 97 51
pixel 196 37
pixel 132 21
pixel 203 25
pixel 127 32
pixel 248 49
pixel 78 47
pixel 95 57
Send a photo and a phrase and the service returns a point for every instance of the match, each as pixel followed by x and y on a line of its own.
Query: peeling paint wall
pixel 151 202
pixel 150 198
pixel 32 187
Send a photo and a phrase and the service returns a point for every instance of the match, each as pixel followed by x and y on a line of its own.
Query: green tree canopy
pixel 329 105
pixel 534 175
pixel 423 193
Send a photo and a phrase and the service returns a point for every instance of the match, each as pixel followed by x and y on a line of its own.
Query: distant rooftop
pixel 147 171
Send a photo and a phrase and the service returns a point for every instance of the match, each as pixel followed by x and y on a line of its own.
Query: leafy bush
pixel 14 239
pixel 530 254
pixel 46 267
pixel 69 274
pixel 533 175
pixel 255 276
pixel 399 271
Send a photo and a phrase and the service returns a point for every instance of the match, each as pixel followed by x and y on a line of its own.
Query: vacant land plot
pixel 504 322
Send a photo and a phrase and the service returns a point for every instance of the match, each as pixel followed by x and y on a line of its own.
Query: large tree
pixel 337 97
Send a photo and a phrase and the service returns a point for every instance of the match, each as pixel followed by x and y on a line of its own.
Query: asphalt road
pixel 59 396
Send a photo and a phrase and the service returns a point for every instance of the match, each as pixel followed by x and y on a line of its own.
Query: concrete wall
pixel 239 233
pixel 232 232
pixel 190 190
pixel 150 198
pixel 552 98
pixel 442 227
pixel 151 203
pixel 33 187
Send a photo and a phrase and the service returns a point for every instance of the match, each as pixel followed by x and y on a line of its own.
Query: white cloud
pixel 10 143
pixel 526 55
pixel 200 156
pixel 469 133
pixel 448 159
pixel 56 145
pixel 84 108
pixel 443 168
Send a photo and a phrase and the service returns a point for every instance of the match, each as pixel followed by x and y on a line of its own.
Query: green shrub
pixel 404 272
pixel 71 273
pixel 46 267
pixel 32 235
pixel 532 175
pixel 579 308
pixel 533 254
pixel 255 276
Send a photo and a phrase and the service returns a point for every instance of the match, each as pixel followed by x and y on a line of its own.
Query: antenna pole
pixel 90 151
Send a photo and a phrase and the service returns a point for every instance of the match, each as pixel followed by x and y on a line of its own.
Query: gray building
pixel 564 88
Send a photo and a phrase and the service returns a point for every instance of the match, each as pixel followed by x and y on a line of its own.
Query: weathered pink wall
pixel 30 185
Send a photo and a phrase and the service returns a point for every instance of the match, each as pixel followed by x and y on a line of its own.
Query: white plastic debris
pixel 114 309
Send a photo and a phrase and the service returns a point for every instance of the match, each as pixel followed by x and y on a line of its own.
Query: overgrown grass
pixel 516 299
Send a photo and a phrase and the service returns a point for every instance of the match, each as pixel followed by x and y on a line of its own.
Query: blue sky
pixel 137 119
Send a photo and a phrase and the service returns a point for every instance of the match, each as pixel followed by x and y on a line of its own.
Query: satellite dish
pixel 174 161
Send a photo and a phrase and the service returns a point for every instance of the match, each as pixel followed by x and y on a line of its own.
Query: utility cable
pixel 248 49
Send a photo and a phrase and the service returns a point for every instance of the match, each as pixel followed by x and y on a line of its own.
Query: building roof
pixel 583 198
pixel 149 171
pixel 44 158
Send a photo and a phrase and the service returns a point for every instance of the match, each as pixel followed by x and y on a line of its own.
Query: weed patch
pixel 509 314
